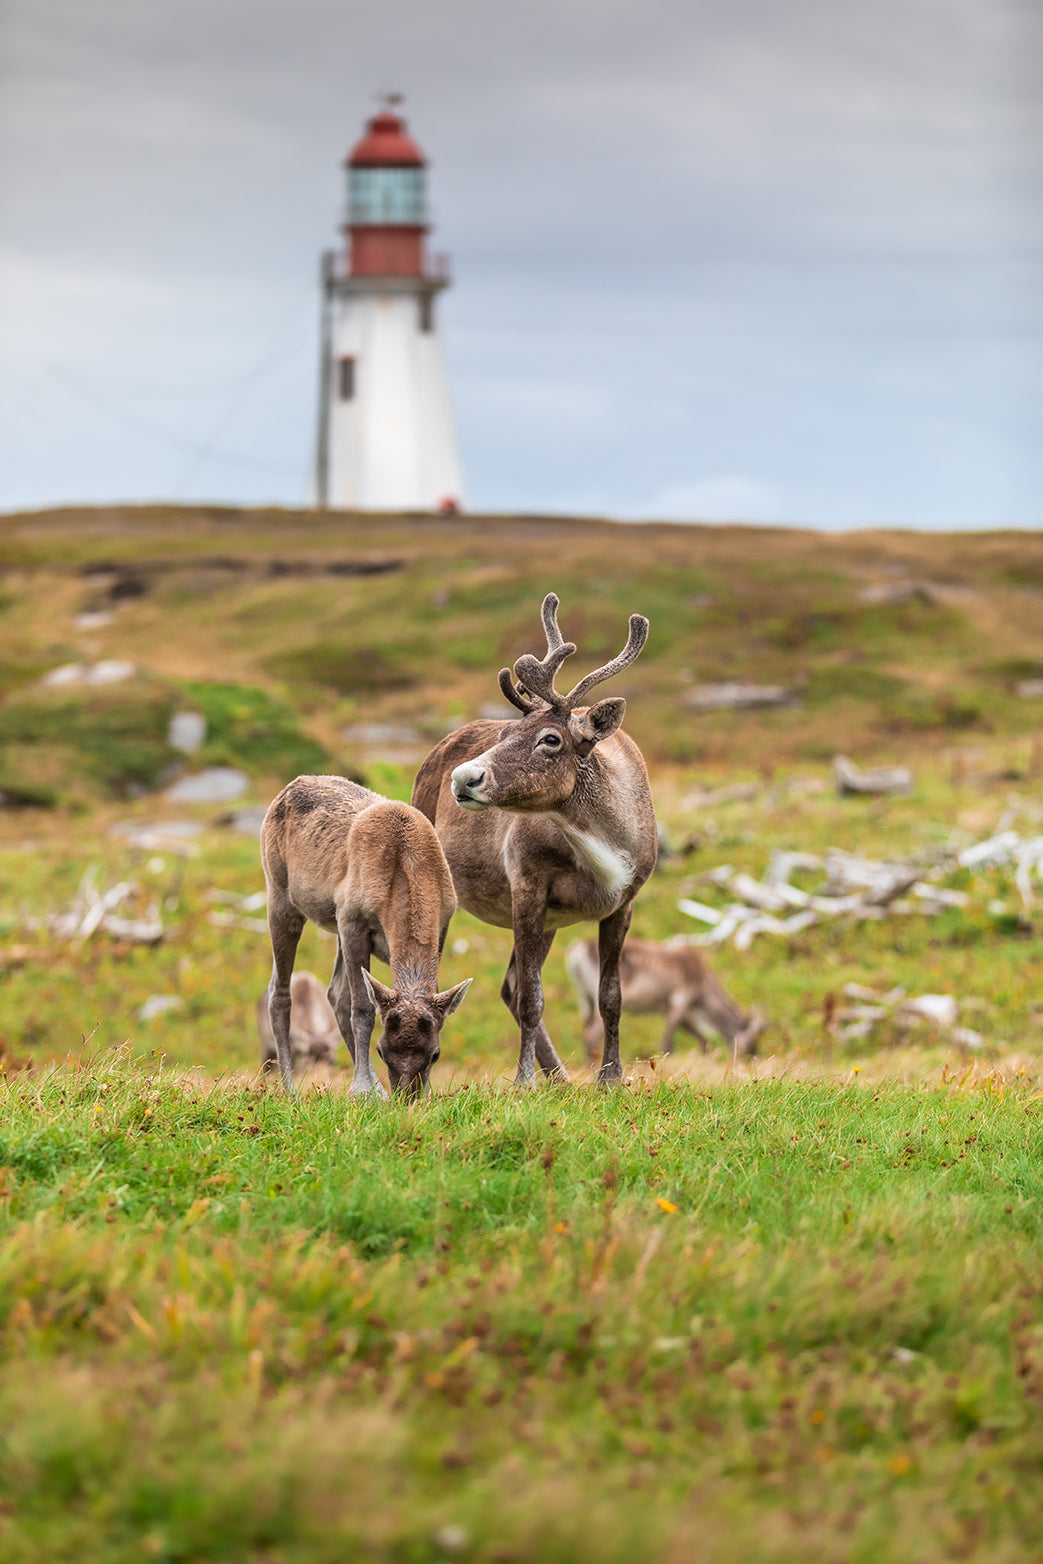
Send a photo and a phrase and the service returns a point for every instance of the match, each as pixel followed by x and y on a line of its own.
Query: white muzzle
pixel 467 782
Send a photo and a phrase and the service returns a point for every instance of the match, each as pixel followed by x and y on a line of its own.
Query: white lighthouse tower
pixel 386 439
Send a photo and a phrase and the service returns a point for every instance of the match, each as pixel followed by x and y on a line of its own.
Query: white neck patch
pixel 613 867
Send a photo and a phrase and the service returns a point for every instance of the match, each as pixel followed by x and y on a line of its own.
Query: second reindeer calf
pixel 372 871
pixel 314 1033
pixel 675 980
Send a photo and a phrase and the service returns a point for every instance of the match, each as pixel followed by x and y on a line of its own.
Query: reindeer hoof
pixel 559 1076
pixel 609 1075
pixel 525 1083
pixel 370 1088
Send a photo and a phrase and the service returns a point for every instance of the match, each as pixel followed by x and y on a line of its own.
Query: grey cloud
pixel 740 232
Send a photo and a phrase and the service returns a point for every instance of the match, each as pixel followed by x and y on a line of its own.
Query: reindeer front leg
pixel 546 1053
pixel 354 1008
pixel 612 931
pixel 529 909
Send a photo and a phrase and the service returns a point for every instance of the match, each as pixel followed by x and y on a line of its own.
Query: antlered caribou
pixel 547 821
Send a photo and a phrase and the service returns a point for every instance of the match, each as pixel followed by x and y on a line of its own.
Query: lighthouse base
pixel 390 441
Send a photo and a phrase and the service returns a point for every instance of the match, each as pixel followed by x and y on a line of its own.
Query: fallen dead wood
pixel 855 888
pixel 872 1007
pixel 892 594
pixel 882 779
pixel 93 910
pixel 733 696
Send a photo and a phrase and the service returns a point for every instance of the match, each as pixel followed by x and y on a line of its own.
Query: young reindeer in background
pixel 372 872
pixel 674 980
pixel 546 822
pixel 314 1033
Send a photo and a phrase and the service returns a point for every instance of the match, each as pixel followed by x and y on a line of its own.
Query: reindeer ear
pixel 376 990
pixel 451 999
pixel 600 722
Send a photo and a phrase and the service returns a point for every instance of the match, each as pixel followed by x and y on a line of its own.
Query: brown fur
pixel 372 871
pixel 674 980
pixel 314 1033
pixel 557 827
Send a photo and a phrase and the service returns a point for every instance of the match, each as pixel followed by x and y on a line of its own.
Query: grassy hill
pixel 405 620
pixel 787 1310
pixel 295 633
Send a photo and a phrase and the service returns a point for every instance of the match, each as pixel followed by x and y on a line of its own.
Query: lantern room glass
pixel 386 195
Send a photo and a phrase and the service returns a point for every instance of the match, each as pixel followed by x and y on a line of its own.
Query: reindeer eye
pixel 436 1056
pixel 552 740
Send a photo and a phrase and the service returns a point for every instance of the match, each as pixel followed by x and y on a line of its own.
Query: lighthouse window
pixel 346 379
pixel 427 312
pixel 386 195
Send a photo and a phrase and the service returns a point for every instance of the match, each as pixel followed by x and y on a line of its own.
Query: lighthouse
pixel 386 439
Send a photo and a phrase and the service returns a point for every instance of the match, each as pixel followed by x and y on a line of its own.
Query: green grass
pixel 112 743
pixel 767 1320
pixel 786 1311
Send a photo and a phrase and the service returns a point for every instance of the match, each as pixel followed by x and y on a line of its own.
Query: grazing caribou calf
pixel 546 822
pixel 314 1033
pixel 675 980
pixel 371 871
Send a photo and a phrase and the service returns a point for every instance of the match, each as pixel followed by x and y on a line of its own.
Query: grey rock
pixel 381 733
pixel 158 1005
pixel 246 821
pixel 187 731
pixel 738 697
pixel 216 785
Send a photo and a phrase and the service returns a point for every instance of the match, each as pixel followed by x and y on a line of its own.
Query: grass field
pixel 790 1309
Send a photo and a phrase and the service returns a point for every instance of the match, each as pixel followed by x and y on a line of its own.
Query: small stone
pixel 216 785
pixel 452 1539
pixel 68 673
pixel 733 696
pixel 109 671
pixel 381 733
pixel 187 731
pixel 158 1005
pixel 159 835
pixel 246 821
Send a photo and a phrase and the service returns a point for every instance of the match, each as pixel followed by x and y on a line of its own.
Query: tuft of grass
pixel 348 667
pixel 249 727
pixel 113 742
pixel 830 683
pixel 1009 670
pixel 115 738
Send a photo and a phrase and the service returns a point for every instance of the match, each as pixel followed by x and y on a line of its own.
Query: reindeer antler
pixel 631 651
pixel 536 678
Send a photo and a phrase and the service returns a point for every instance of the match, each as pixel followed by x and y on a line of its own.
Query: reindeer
pixel 314 1033
pixel 546 822
pixel 373 872
pixel 675 980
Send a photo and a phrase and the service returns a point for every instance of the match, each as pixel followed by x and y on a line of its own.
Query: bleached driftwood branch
pixel 93 910
pixel 854 888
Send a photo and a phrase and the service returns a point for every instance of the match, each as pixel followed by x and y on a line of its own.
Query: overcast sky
pixel 752 259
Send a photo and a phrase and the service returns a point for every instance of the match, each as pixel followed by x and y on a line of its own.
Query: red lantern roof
pixel 386 145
